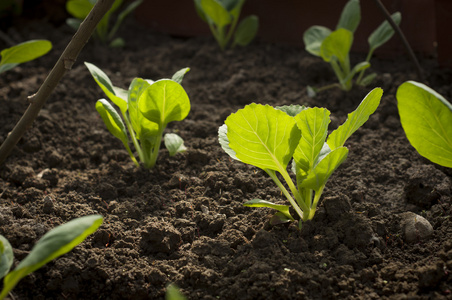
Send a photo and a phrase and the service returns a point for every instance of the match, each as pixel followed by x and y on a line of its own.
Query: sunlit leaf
pixel 426 117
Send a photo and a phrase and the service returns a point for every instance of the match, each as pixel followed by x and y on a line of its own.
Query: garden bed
pixel 184 221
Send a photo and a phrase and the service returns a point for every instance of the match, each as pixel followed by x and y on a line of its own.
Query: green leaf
pixel 280 218
pixel 383 33
pixel 173 293
pixel 6 256
pixel 313 123
pixel 117 43
pixel 25 51
pixel 284 209
pixel 53 244
pixel 231 4
pixel 73 23
pixel 79 8
pixel 317 178
pixel 199 10
pixel 246 31
pixel 143 128
pixel 112 120
pixel 164 101
pixel 216 13
pixel 355 119
pixel 311 91
pixel 116 95
pixel 368 79
pixel 357 68
pixel 350 16
pixel 234 7
pixel 179 75
pixel 426 117
pixel 313 38
pixel 292 110
pixel 131 7
pixel 224 141
pixel 6 67
pixel 174 143
pixel 262 136
pixel 337 45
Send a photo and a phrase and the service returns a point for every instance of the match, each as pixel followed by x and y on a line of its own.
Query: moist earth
pixel 184 222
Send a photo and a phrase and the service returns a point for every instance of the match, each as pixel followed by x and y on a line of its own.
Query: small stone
pixel 415 228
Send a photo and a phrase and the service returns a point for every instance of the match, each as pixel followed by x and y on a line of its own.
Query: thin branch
pixel 63 65
pixel 402 37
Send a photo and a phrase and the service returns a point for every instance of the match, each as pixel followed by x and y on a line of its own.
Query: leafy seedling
pixel 334 47
pixel 53 244
pixel 79 9
pixel 271 138
pixel 426 117
pixel 23 52
pixel 222 17
pixel 146 108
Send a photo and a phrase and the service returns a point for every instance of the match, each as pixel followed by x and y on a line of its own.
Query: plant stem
pixel 369 55
pixel 133 137
pixel 273 176
pixel 402 37
pixel 317 196
pixel 64 64
pixel 155 150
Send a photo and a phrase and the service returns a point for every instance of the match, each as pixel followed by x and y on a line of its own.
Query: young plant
pixel 222 17
pixel 81 8
pixel 147 108
pixel 53 244
pixel 334 47
pixel 269 138
pixel 23 52
pixel 426 118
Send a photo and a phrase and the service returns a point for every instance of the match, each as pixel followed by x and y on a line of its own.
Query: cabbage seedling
pixel 23 52
pixel 334 46
pixel 147 108
pixel 426 117
pixel 222 17
pixel 53 244
pixel 79 9
pixel 270 138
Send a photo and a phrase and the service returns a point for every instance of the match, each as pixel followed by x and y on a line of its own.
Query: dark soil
pixel 184 221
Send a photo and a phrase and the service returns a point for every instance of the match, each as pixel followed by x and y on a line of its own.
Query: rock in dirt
pixel 415 228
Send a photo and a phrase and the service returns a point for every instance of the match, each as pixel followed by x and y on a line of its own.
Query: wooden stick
pixel 64 64
pixel 402 37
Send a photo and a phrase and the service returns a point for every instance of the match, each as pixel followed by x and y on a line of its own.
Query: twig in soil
pixel 402 37
pixel 63 64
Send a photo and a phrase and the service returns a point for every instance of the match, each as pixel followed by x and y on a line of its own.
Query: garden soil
pixel 184 222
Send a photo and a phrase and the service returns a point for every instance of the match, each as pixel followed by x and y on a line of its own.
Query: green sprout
pixel 79 9
pixel 147 108
pixel 222 17
pixel 270 138
pixel 53 244
pixel 334 47
pixel 23 52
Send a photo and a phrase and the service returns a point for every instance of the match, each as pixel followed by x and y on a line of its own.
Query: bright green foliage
pixel 173 293
pixel 334 46
pixel 270 138
pixel 23 52
pixel 53 244
pixel 6 256
pixel 222 17
pixel 79 9
pixel 146 108
pixel 426 118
